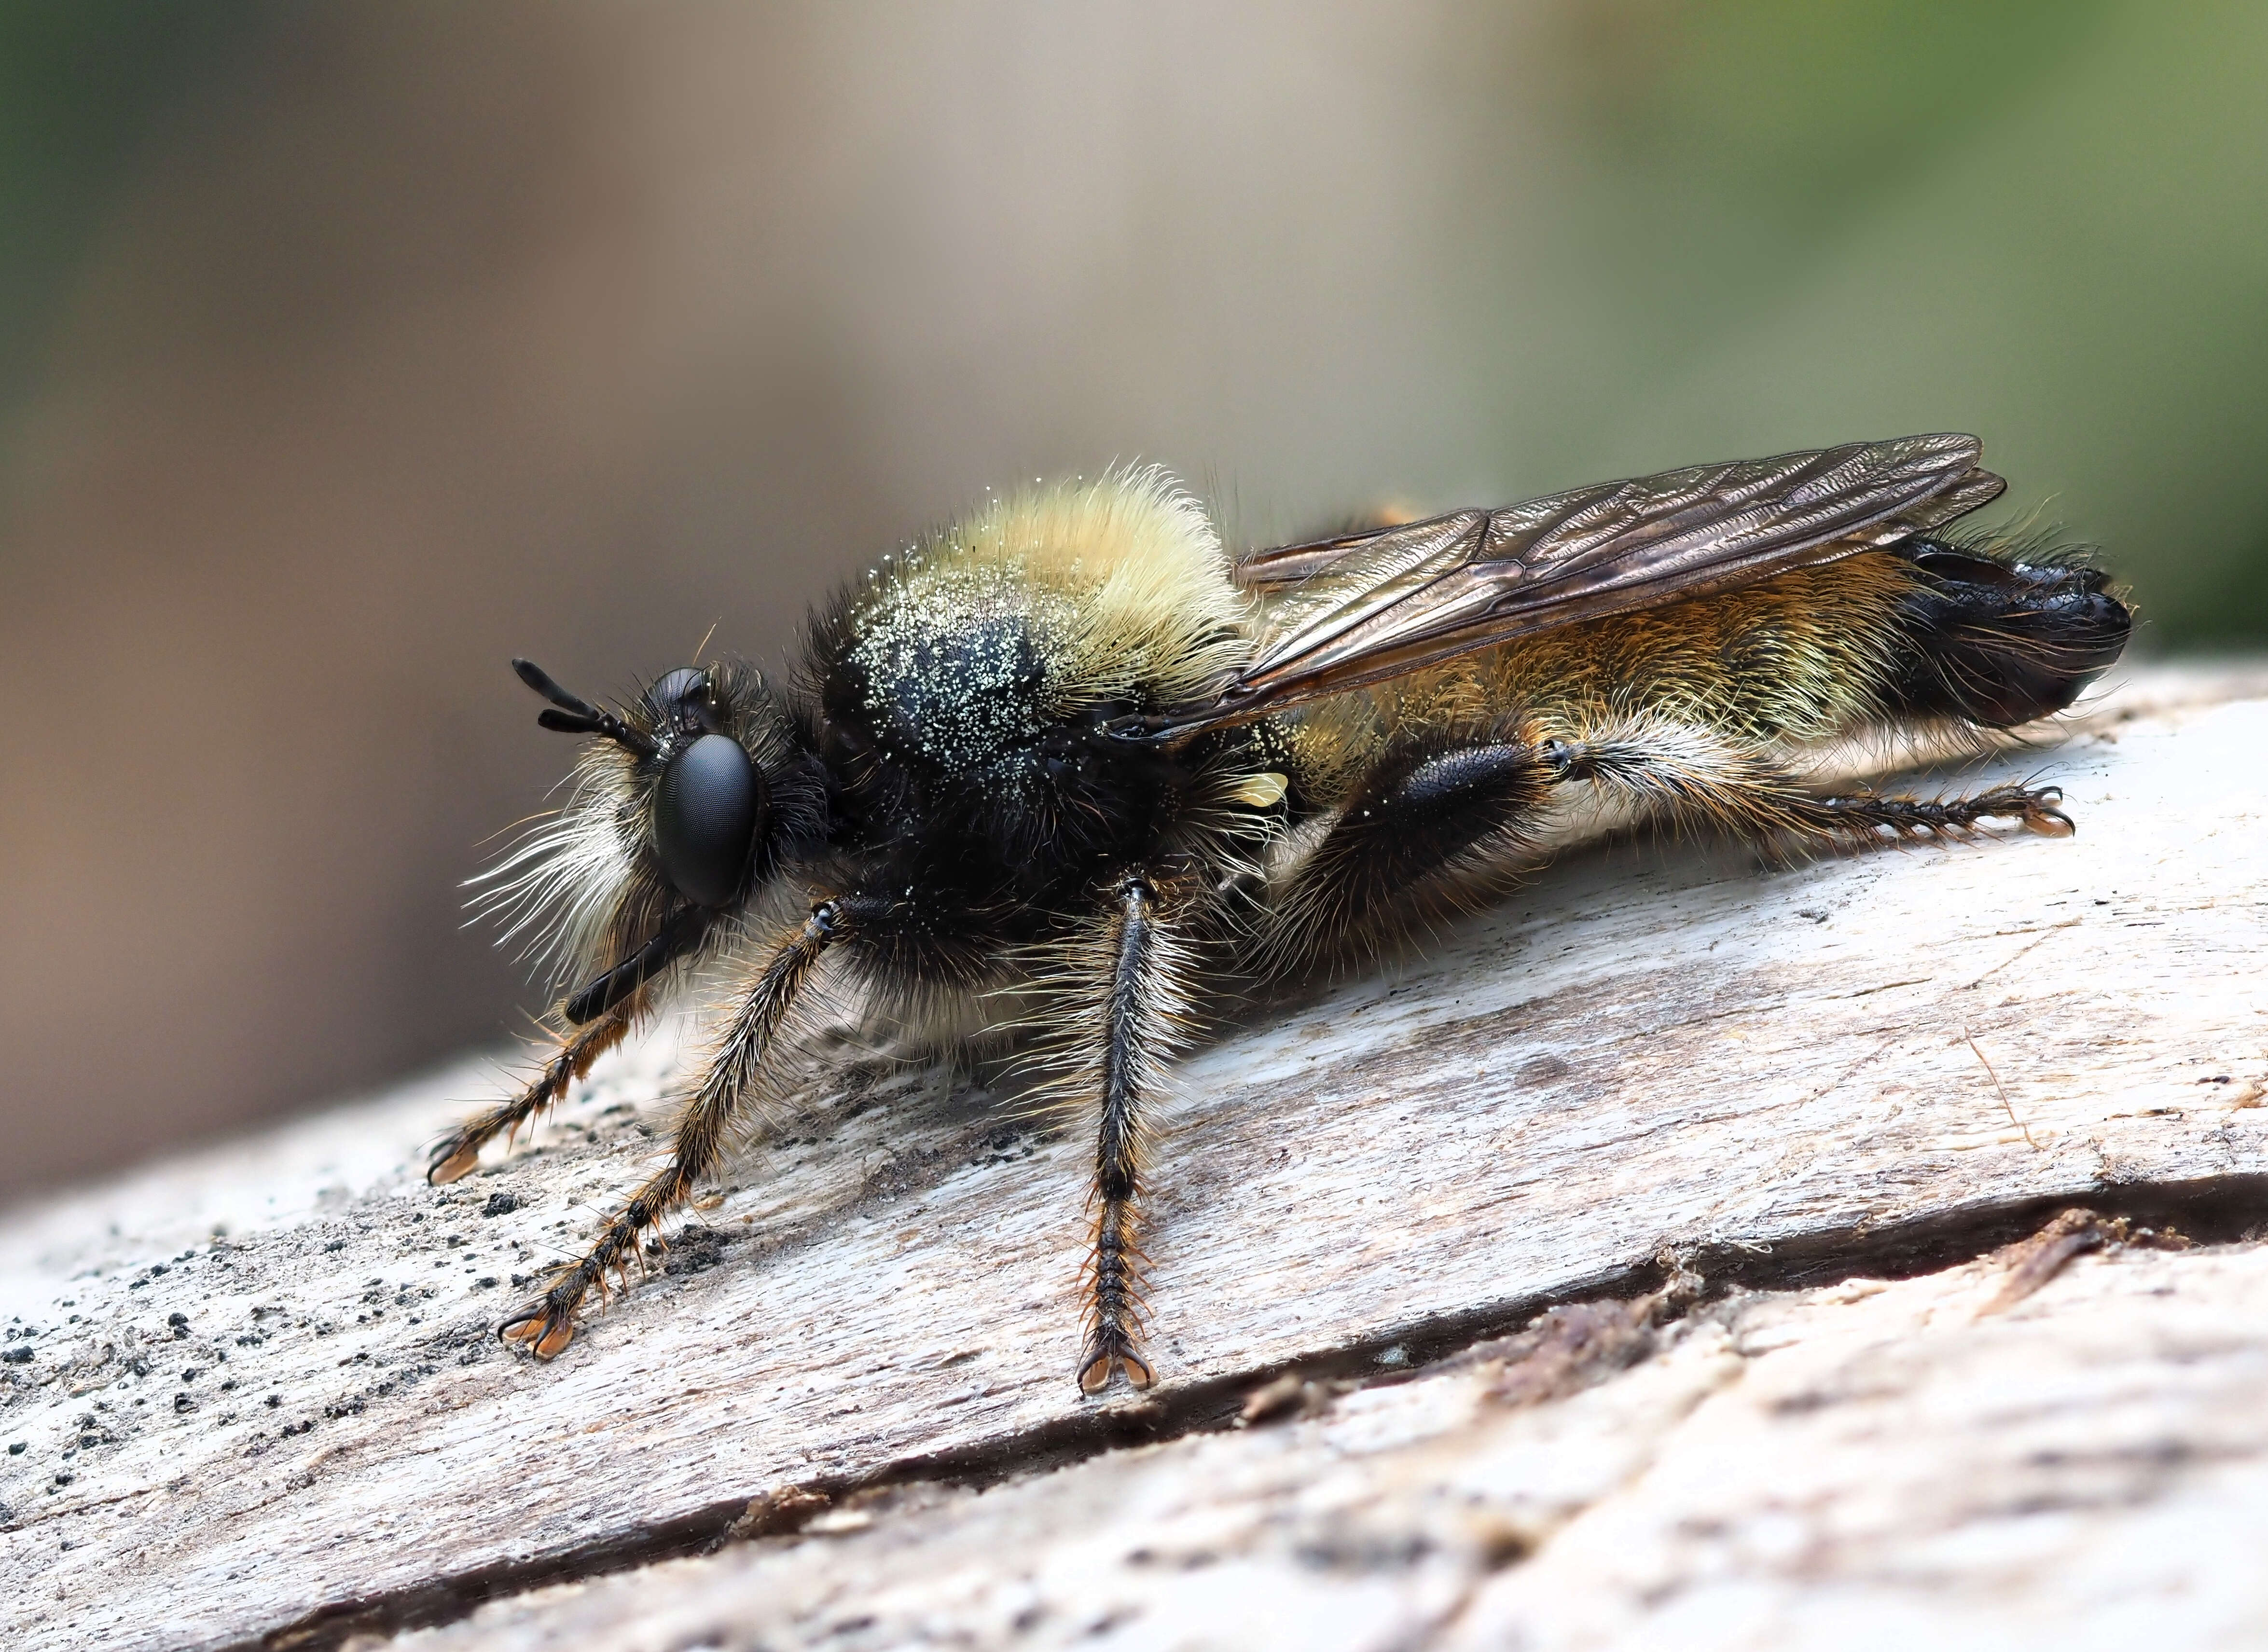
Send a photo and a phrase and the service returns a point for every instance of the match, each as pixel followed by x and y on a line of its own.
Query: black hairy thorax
pixel 968 757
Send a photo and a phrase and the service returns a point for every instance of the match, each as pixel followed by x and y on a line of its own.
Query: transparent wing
pixel 1360 609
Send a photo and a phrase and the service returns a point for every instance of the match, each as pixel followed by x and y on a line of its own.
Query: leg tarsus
pixel 1679 772
pixel 1118 1316
pixel 457 1153
pixel 1137 1018
pixel 1868 816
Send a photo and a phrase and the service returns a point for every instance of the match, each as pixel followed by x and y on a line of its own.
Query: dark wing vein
pixel 1366 607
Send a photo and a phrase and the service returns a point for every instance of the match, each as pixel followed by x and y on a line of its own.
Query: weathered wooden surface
pixel 1781 1073
pixel 1868 1465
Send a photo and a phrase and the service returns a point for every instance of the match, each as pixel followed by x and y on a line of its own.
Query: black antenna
pixel 577 716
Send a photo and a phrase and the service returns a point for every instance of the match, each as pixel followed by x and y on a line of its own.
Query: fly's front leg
pixel 548 1324
pixel 1142 1010
pixel 460 1151
pixel 605 1008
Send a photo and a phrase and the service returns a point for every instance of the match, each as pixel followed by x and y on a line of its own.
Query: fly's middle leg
pixel 1141 1019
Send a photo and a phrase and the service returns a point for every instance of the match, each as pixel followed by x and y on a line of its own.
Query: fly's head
pixel 681 807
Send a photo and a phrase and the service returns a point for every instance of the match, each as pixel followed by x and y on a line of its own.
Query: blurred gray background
pixel 347 350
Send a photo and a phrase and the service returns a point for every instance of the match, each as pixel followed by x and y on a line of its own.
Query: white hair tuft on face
pixel 557 888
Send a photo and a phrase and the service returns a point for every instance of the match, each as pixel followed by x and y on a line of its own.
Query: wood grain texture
pixel 1868 1465
pixel 1781 1073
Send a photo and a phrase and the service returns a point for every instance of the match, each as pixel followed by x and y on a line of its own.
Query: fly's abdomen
pixel 2001 644
pixel 1799 657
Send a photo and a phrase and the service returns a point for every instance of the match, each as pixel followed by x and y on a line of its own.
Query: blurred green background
pixel 345 351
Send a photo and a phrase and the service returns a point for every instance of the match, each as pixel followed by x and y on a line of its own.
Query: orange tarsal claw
pixel 458 1164
pixel 1094 1375
pixel 2042 816
pixel 546 1338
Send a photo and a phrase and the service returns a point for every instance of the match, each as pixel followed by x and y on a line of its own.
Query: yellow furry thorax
pixel 1122 576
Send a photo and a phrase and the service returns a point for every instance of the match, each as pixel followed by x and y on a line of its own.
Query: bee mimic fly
pixel 1066 753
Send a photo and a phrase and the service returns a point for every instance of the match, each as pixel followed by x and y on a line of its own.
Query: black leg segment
pixel 1434 828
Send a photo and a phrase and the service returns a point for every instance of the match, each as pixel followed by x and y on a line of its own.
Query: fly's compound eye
pixel 707 812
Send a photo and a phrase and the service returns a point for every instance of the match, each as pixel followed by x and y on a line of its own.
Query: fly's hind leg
pixel 1440 824
pixel 548 1324
pixel 1682 774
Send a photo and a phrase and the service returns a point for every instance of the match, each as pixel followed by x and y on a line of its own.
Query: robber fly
pixel 1064 754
